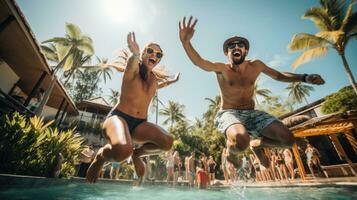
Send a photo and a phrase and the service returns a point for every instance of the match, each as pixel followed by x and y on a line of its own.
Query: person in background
pixel 313 160
pixel 86 157
pixel 289 162
pixel 187 169
pixel 177 166
pixel 211 169
pixel 170 162
pixel 192 169
pixel 114 170
pixel 202 180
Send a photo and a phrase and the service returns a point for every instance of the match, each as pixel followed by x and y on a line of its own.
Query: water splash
pixel 239 188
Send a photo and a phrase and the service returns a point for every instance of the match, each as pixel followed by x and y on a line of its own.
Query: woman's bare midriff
pixel 139 112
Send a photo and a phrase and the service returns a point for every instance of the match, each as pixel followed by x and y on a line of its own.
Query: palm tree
pixel 262 92
pixel 298 91
pixel 67 48
pixel 104 71
pixel 155 106
pixel 338 25
pixel 213 107
pixel 173 112
pixel 114 97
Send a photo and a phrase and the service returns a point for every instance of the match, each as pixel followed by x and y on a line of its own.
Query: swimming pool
pixel 126 191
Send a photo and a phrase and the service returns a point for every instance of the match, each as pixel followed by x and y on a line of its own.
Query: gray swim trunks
pixel 253 120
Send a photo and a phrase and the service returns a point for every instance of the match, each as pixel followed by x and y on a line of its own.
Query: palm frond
pixel 332 36
pixel 61 51
pixel 308 55
pixel 59 40
pixel 334 9
pixel 86 48
pixel 49 52
pixel 320 18
pixel 305 41
pixel 73 31
pixel 69 63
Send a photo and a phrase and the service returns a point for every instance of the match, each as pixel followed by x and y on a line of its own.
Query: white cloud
pixel 278 61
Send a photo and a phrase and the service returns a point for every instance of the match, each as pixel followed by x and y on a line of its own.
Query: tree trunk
pixel 48 92
pixel 349 73
pixel 96 82
pixel 69 77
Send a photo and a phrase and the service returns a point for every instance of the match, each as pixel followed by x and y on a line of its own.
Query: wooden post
pixel 63 112
pixel 342 152
pixel 351 139
pixel 35 89
pixel 60 108
pixel 298 161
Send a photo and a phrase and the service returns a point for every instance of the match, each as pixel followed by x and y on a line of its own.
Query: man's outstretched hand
pixel 187 30
pixel 314 79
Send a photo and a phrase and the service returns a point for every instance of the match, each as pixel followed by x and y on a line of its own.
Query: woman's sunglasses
pixel 151 51
pixel 234 44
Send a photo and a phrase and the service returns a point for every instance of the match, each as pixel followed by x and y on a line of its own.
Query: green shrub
pixel 31 147
pixel 341 101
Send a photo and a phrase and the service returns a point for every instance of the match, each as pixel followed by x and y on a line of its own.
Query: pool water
pixel 125 191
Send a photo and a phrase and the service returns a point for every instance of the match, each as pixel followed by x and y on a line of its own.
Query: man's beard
pixel 239 61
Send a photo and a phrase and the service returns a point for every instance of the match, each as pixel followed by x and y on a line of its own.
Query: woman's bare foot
pixel 139 165
pixel 96 166
pixel 259 152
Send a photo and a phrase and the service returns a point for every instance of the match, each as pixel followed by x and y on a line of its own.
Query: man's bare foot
pixel 259 152
pixel 233 158
pixel 139 165
pixel 95 168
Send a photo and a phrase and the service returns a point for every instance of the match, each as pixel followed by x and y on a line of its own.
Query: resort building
pixel 92 113
pixel 24 72
pixel 334 135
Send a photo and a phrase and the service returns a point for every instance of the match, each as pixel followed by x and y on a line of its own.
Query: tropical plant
pixel 32 147
pixel 213 107
pixel 114 97
pixel 85 86
pixel 275 106
pixel 341 101
pixel 104 71
pixel 173 112
pixel 54 52
pixel 262 92
pixel 68 49
pixel 337 24
pixel 298 91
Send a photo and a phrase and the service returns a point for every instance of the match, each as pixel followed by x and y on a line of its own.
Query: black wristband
pixel 303 78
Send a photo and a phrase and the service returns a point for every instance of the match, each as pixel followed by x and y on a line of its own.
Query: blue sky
pixel 269 26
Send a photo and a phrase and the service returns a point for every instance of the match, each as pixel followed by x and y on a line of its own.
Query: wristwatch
pixel 303 78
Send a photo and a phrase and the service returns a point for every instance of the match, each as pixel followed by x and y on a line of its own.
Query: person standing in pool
pixel 238 119
pixel 126 124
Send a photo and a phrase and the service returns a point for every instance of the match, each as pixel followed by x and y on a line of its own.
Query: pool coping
pixel 13 181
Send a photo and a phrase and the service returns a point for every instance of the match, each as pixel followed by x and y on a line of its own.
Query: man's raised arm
pixel 186 34
pixel 290 77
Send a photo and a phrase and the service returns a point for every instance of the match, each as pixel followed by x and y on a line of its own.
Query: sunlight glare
pixel 120 10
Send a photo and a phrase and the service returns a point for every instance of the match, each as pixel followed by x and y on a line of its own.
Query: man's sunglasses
pixel 234 44
pixel 151 51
